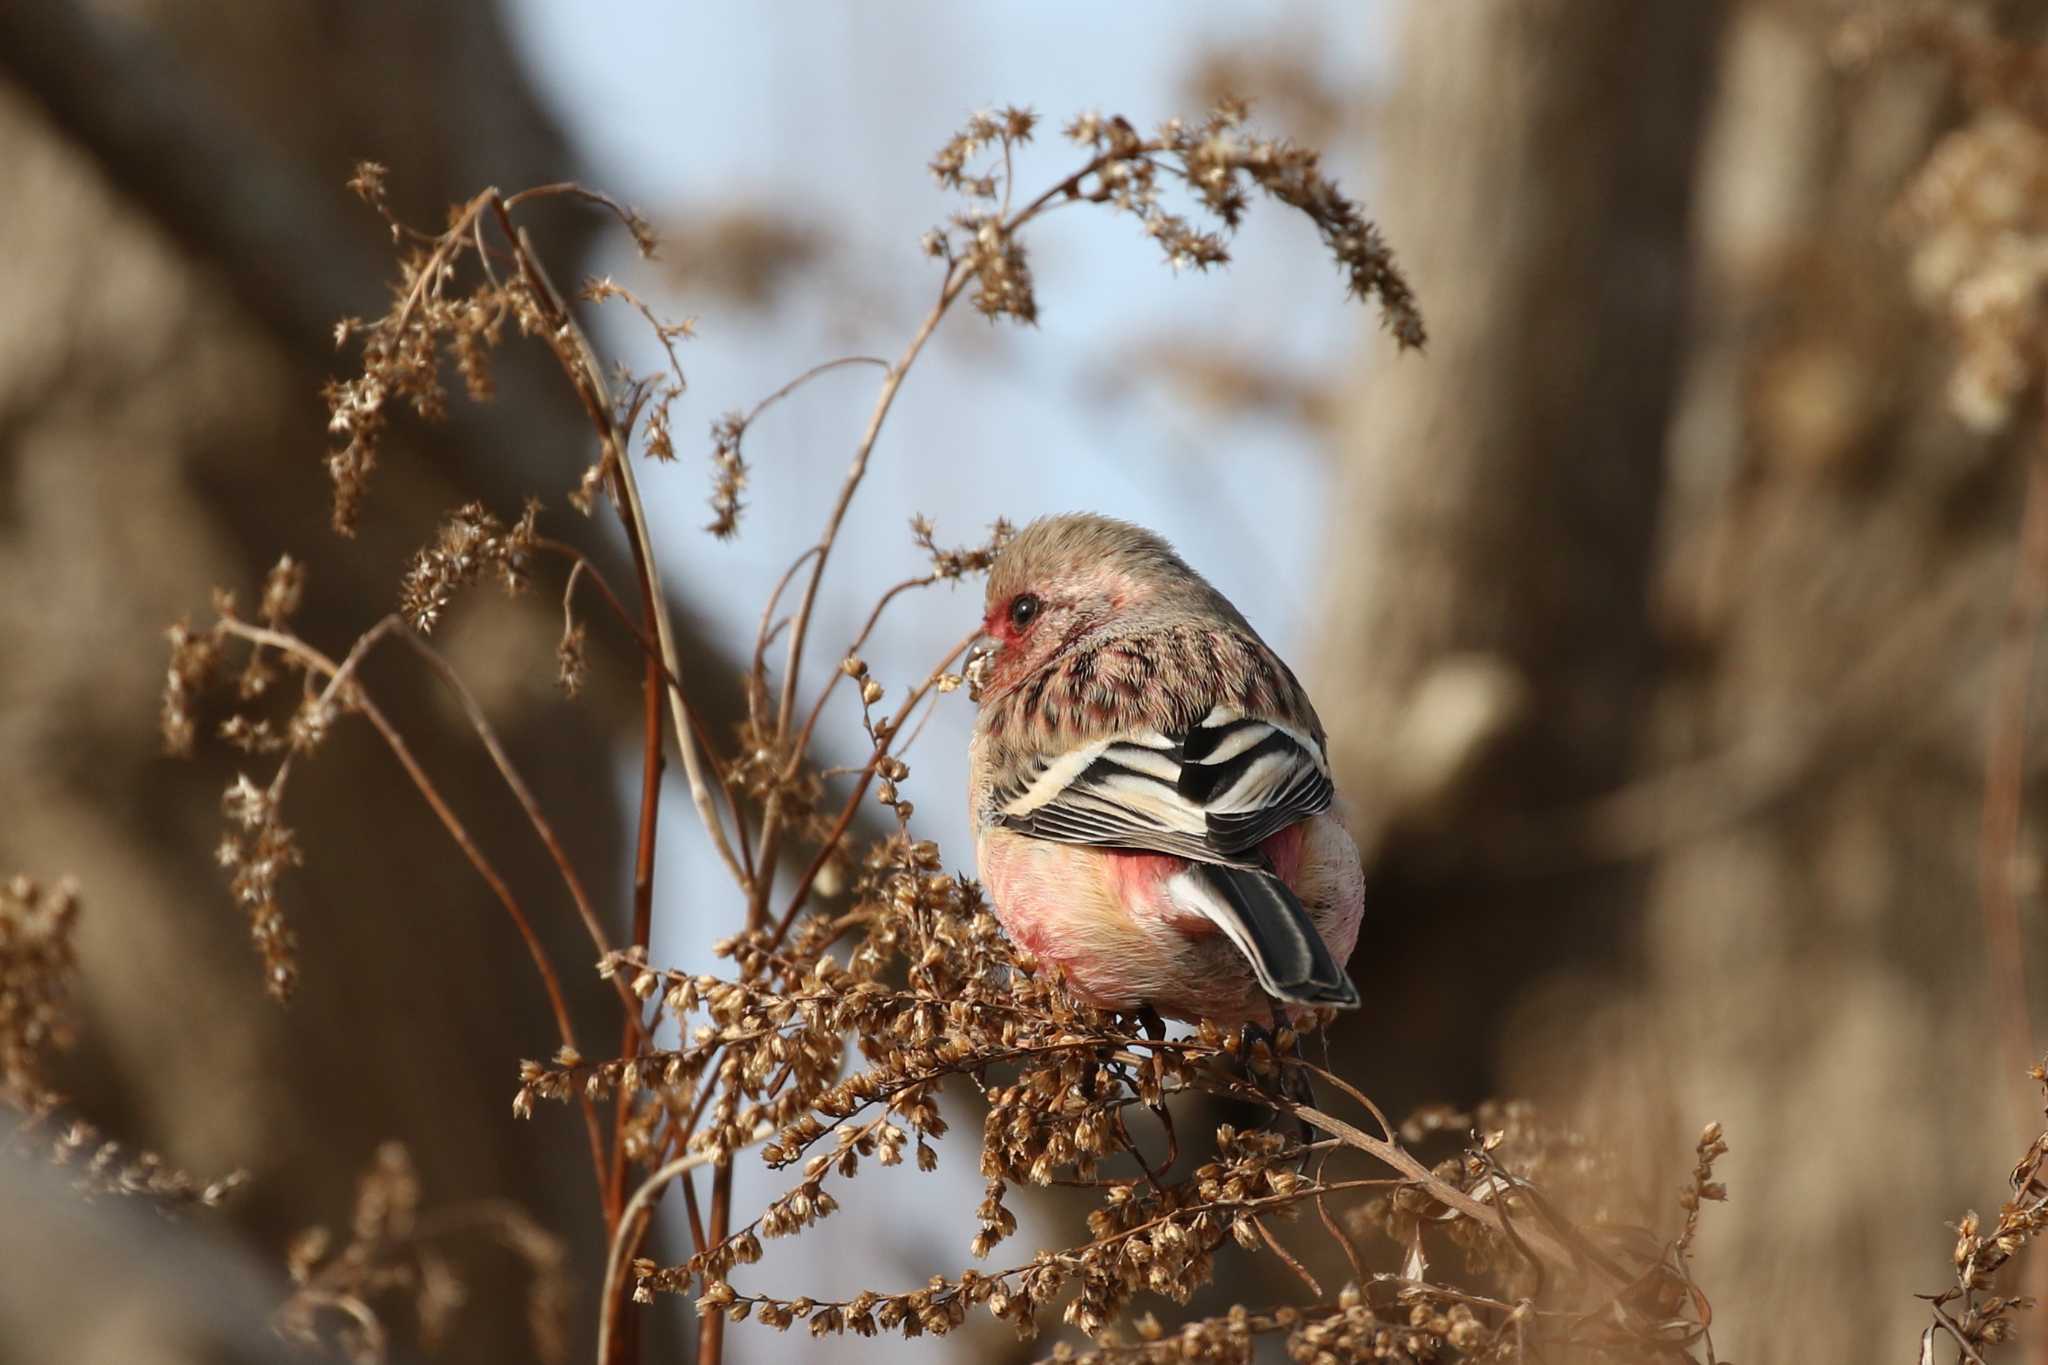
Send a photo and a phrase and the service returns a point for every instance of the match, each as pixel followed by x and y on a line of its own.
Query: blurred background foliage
pixel 1662 613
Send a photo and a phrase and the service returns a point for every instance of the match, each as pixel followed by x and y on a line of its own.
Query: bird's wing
pixel 1212 792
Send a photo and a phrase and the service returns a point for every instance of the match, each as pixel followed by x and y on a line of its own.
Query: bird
pixel 1150 787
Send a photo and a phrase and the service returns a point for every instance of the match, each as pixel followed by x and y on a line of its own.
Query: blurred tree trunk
pixel 1840 551
pixel 1663 662
pixel 1488 655
pixel 179 245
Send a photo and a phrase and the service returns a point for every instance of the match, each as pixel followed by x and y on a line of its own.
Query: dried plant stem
pixel 824 367
pixel 580 362
pixel 1394 1155
pixel 1948 1324
pixel 809 880
pixel 375 1343
pixel 585 910
pixel 711 1326
pixel 1288 1258
pixel 402 751
pixel 711 1334
pixel 625 1343
pixel 626 1241
pixel 516 783
pixel 2005 769
pixel 803 742
pixel 957 276
pixel 799 630
pixel 581 568
pixel 764 635
pixel 1337 1233
pixel 885 398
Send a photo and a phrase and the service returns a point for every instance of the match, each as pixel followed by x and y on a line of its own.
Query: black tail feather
pixel 1270 927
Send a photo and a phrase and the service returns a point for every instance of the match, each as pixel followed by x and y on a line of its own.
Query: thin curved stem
pixel 634 1038
pixel 892 382
pixel 824 367
pixel 649 1190
pixel 402 751
pixel 585 910
pixel 765 633
pixel 803 742
pixel 586 375
pixel 1396 1156
pixel 852 806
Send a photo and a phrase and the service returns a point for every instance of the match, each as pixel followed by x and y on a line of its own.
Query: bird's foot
pixel 1151 1023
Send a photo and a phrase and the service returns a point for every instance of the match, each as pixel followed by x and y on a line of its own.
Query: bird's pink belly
pixel 1105 919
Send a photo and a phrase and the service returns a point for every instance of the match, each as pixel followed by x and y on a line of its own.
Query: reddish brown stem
pixel 785 715
pixel 550 982
pixel 2005 794
pixel 360 699
pixel 860 789
pixel 803 742
pixel 625 1342
pixel 696 1213
pixel 524 795
pixel 572 350
pixel 2005 772
pixel 711 1326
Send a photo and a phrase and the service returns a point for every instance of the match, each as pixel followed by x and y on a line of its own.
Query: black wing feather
pixel 1171 793
pixel 1270 927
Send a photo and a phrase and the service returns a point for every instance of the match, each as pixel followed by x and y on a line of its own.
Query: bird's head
pixel 1062 579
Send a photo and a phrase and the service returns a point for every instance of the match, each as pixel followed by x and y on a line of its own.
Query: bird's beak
pixel 979 656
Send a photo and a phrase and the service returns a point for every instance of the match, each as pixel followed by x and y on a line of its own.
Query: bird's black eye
pixel 1023 610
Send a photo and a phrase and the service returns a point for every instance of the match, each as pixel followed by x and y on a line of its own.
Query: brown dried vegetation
pixel 881 949
pixel 865 977
pixel 36 966
pixel 1975 217
pixel 393 1252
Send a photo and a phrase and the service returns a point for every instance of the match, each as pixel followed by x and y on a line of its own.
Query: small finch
pixel 1150 790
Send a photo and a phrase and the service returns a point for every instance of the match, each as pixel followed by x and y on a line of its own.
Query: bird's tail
pixel 1260 915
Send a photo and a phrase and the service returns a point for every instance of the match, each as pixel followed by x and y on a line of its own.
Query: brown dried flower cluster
pixel 1971 1314
pixel 401 362
pixel 402 351
pixel 1214 159
pixel 1977 209
pixel 471 543
pixel 950 565
pixel 394 1255
pixel 257 848
pixel 37 962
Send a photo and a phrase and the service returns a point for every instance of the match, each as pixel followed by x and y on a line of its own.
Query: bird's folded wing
pixel 1212 792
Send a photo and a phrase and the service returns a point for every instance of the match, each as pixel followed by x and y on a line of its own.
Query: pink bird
pixel 1150 788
